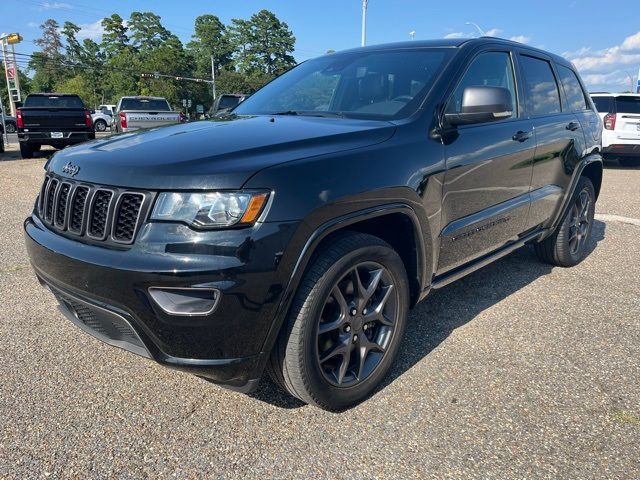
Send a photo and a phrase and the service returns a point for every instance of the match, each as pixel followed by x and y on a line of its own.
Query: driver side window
pixel 493 69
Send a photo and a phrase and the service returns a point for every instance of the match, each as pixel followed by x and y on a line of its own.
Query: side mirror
pixel 482 104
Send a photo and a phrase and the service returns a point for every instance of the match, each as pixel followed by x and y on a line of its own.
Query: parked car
pixel 9 121
pixel 620 113
pixel 295 235
pixel 101 120
pixel 225 103
pixel 133 113
pixel 106 108
pixel 55 119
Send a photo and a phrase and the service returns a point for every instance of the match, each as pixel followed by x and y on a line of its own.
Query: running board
pixel 447 278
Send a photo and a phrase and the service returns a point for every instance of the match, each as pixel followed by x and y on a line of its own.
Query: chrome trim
pixel 216 300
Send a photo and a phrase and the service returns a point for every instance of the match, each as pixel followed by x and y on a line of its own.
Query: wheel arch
pixel 390 222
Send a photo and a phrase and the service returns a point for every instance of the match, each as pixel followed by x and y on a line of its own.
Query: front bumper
pixel 105 291
pixel 45 138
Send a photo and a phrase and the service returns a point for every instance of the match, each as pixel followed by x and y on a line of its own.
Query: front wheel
pixel 569 244
pixel 346 323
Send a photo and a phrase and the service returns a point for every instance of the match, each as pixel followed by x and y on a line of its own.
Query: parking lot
pixel 517 371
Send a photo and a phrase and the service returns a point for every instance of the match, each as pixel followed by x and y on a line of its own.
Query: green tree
pixel 263 44
pixel 147 32
pixel 114 38
pixel 83 86
pixel 48 64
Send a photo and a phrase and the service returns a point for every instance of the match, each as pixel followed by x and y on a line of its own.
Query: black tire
pixel 100 126
pixel 296 361
pixel 1 143
pixel 11 127
pixel 25 150
pixel 569 244
pixel 629 161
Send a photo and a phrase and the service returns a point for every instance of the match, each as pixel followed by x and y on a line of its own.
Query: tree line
pixel 247 54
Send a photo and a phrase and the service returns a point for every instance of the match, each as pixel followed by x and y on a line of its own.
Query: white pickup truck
pixel 133 113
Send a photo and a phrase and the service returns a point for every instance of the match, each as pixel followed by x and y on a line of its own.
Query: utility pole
pixel 213 78
pixel 364 22
pixel 11 68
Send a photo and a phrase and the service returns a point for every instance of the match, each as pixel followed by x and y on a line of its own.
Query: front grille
pixel 127 216
pixel 61 204
pixel 100 214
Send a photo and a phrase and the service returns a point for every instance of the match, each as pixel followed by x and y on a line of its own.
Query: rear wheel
pixel 569 243
pixel 26 151
pixel 346 323
pixel 629 161
pixel 11 127
pixel 100 125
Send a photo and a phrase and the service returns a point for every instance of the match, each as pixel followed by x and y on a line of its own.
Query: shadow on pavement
pixel 444 310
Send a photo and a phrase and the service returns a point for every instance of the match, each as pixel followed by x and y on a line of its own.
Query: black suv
pixel 295 235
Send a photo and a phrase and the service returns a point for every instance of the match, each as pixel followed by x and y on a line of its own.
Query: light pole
pixel 364 22
pixel 412 34
pixel 477 27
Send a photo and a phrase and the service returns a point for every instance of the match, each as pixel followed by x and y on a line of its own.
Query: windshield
pixel 53 101
pixel 152 104
pixel 228 101
pixel 387 84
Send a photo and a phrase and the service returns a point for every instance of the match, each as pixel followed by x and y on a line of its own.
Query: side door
pixel 488 169
pixel 560 142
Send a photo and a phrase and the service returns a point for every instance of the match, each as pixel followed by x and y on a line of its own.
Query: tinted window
pixel 491 69
pixel 628 104
pixel 54 101
pixel 152 104
pixel 603 104
pixel 540 88
pixel 572 89
pixel 370 84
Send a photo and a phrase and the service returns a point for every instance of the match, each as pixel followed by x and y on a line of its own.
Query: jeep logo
pixel 70 169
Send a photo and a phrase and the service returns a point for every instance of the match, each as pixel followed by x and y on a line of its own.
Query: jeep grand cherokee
pixel 294 235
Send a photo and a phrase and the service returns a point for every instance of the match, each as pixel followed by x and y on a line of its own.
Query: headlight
pixel 212 209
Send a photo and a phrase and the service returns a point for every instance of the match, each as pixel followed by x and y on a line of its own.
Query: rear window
pixel 573 91
pixel 53 101
pixel 603 104
pixel 541 90
pixel 152 104
pixel 628 105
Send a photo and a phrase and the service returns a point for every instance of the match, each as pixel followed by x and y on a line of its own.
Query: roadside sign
pixel 199 108
pixel 11 72
pixel 189 103
pixel 184 102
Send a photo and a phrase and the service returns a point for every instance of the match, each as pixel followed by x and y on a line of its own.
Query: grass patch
pixel 626 417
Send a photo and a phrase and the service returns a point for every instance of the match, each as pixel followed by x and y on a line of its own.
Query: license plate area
pixel 57 135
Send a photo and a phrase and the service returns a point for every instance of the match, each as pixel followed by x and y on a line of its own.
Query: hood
pixel 213 154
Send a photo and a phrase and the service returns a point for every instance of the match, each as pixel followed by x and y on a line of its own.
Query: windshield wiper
pixel 310 113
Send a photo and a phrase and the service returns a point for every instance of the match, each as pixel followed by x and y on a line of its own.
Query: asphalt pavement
pixel 517 371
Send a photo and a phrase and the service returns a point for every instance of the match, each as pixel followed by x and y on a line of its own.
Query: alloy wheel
pixel 580 221
pixel 357 324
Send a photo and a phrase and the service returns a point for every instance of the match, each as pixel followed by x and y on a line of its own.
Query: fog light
pixel 185 301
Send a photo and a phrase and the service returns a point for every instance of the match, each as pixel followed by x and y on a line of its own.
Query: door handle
pixel 573 126
pixel 521 136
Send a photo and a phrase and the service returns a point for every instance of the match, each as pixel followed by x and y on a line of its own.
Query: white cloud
pixel 457 35
pixel 32 24
pixel 93 30
pixel 520 38
pixel 494 32
pixel 607 69
pixel 55 6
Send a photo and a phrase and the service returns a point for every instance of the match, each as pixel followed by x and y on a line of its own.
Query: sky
pixel 604 43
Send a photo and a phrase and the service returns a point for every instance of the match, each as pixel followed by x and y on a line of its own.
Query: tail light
pixel 19 119
pixel 123 120
pixel 610 121
pixel 88 121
